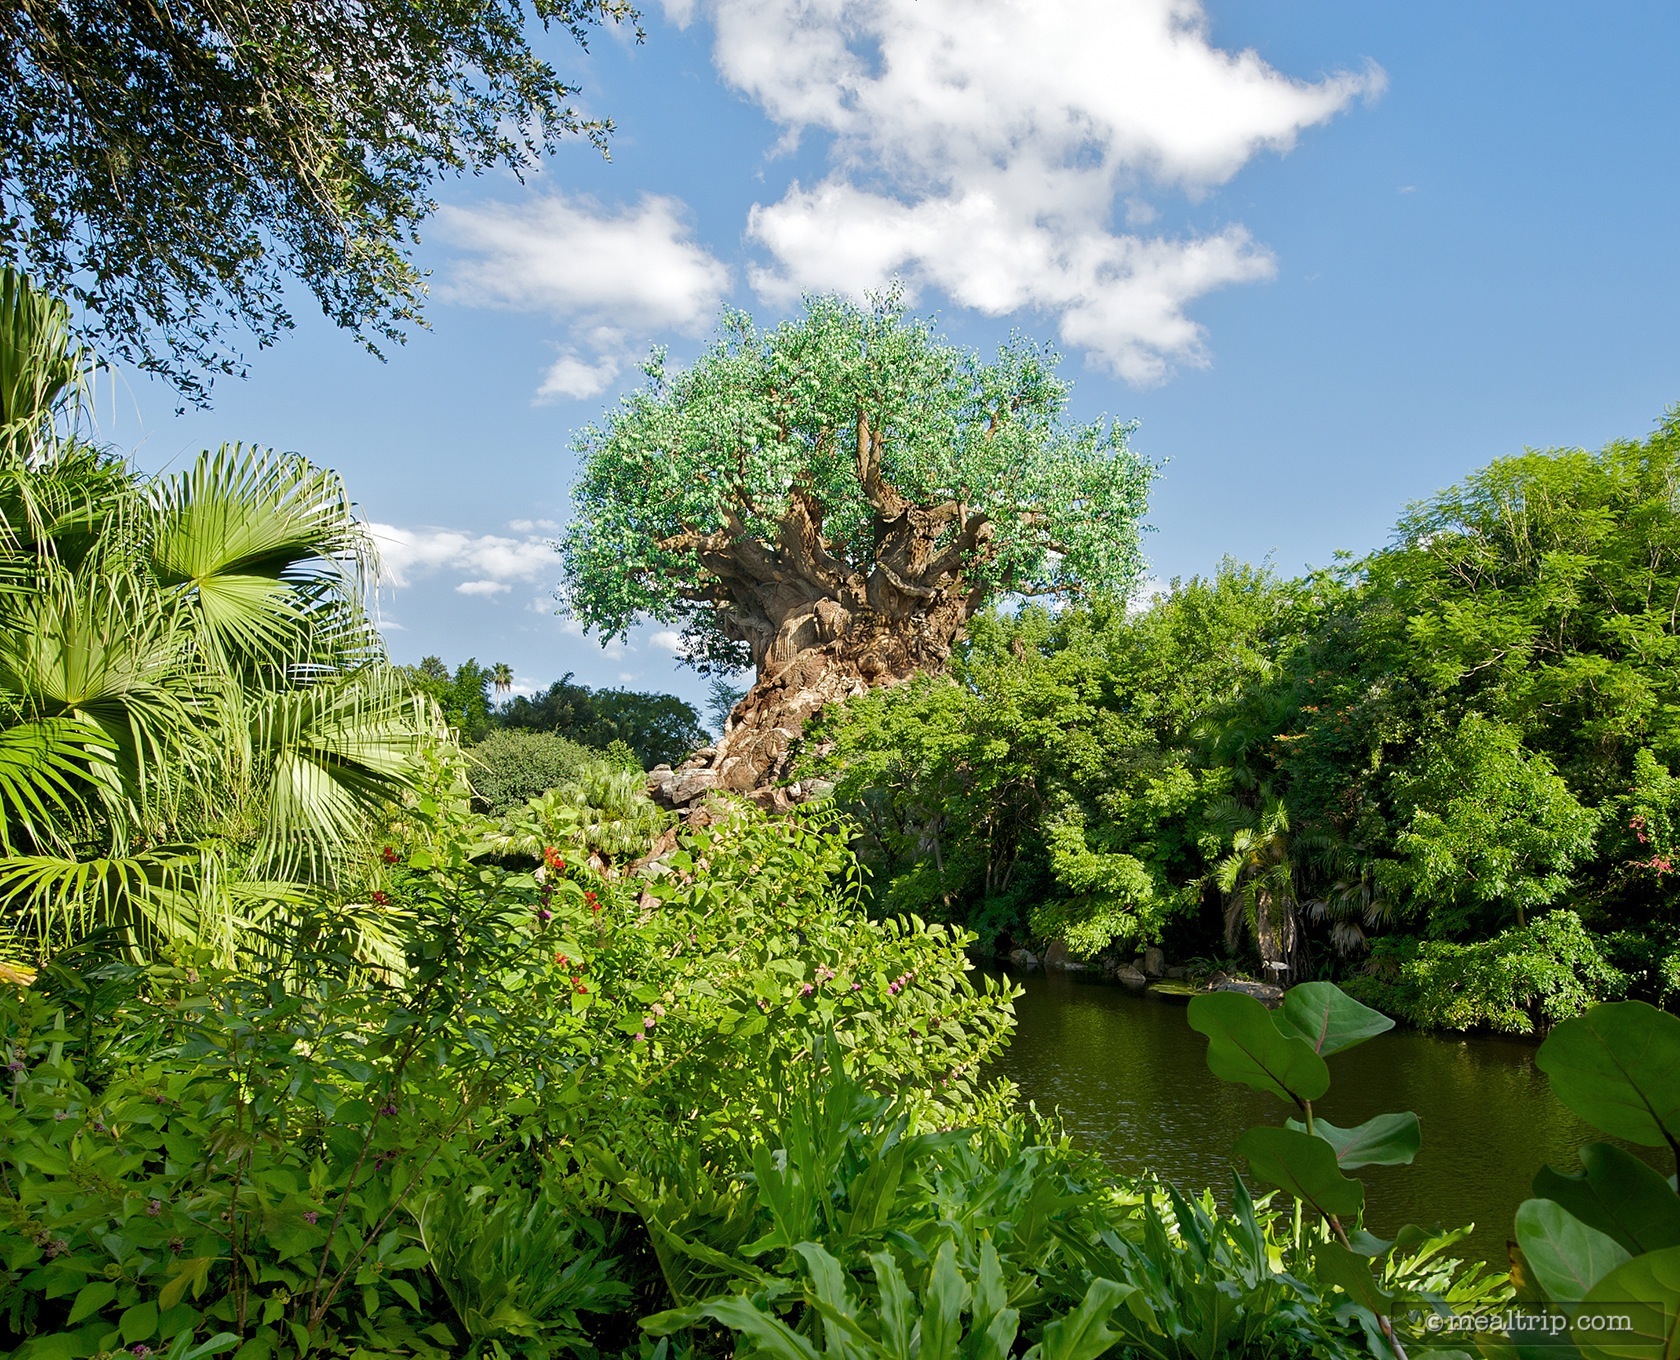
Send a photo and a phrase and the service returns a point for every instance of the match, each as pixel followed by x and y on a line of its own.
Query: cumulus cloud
pixel 983 148
pixel 617 276
pixel 488 561
pixel 666 640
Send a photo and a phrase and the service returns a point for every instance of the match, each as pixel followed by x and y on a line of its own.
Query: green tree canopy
pixel 170 168
pixel 833 500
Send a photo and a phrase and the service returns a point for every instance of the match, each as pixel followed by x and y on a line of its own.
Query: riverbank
pixel 1130 1080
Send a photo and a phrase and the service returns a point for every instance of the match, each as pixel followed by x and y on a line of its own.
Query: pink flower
pixel 806 990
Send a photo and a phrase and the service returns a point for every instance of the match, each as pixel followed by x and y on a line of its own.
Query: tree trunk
pixel 819 652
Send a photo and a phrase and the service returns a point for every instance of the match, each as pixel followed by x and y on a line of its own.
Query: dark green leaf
pixel 1326 1018
pixel 1566 1257
pixel 1619 1195
pixel 1616 1067
pixel 1304 1166
pixel 1245 1046
pixel 1385 1140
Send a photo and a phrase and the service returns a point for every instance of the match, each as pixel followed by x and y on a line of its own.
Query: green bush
pixel 511 766
pixel 1523 979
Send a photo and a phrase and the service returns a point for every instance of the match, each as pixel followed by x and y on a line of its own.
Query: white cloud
pixel 981 147
pixel 482 587
pixel 527 526
pixel 570 376
pixel 619 277
pixel 486 560
pixel 667 640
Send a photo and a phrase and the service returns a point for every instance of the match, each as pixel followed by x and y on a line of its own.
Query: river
pixel 1130 1079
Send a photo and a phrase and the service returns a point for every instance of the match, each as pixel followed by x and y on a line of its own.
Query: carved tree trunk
pixel 822 651
pixel 821 630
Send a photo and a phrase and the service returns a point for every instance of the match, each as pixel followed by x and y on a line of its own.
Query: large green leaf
pixel 1327 1018
pixel 1645 1290
pixel 1084 1334
pixel 1304 1166
pixel 1566 1257
pixel 1385 1140
pixel 1616 1066
pixel 1245 1046
pixel 1351 1273
pixel 1619 1195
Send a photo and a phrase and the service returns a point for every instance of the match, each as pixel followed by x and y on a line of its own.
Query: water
pixel 1130 1079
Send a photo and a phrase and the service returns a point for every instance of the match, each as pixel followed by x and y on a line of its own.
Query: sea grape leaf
pixel 1619 1195
pixel 1616 1067
pixel 1326 1018
pixel 1385 1140
pixel 1304 1166
pixel 1565 1256
pixel 1245 1046
pixel 1646 1290
pixel 1352 1274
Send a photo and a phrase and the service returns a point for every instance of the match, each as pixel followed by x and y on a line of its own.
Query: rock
pixel 1056 954
pixel 1262 992
pixel 1023 958
pixel 689 785
pixel 1130 976
pixel 1154 962
pixel 1177 973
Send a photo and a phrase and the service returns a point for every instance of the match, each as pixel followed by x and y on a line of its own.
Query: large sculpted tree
pixel 830 503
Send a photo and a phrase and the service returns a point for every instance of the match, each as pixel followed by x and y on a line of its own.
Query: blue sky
pixel 1331 256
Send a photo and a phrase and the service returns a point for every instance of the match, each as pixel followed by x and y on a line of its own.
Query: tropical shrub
pixel 513 765
pixel 1523 979
pixel 199 732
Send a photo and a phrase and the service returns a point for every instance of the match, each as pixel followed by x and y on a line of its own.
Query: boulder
pixel 687 786
pixel 1023 958
pixel 1131 976
pixel 1056 954
pixel 1154 962
pixel 1178 973
pixel 1262 992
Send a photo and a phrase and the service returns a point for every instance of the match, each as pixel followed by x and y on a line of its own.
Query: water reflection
pixel 1130 1079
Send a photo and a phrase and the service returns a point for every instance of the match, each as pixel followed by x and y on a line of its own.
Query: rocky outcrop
pixel 1023 958
pixel 1131 977
pixel 1263 992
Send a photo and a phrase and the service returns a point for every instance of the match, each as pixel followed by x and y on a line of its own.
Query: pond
pixel 1130 1079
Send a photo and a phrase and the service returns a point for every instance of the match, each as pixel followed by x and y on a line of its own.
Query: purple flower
pixel 647 1022
pixel 638 1038
pixel 61 1114
pixel 857 986
pixel 176 1245
pixel 389 1108
pixel 806 990
pixel 154 1208
pixel 311 1216
pixel 140 1349
pixel 545 915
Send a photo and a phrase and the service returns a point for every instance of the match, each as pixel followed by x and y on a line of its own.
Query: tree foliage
pixel 657 728
pixel 848 455
pixel 1446 740
pixel 172 168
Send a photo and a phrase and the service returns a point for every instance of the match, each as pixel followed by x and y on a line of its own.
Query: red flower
pixel 389 855
pixel 380 899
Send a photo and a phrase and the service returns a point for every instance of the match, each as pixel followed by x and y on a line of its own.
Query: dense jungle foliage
pixel 319 1042
pixel 1445 771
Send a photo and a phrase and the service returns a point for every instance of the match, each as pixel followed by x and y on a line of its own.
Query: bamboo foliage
pixel 199 729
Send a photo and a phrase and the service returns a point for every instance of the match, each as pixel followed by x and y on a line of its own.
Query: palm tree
pixel 199 729
pixel 501 676
pixel 1257 876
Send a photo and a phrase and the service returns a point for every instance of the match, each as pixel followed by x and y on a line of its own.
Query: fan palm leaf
pixel 249 538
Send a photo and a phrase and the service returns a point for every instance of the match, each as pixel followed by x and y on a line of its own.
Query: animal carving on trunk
pixel 830 503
